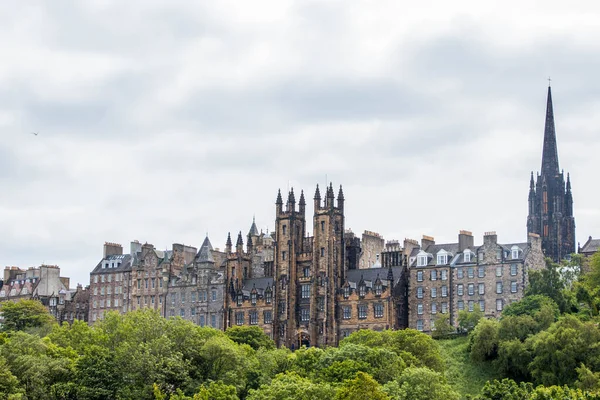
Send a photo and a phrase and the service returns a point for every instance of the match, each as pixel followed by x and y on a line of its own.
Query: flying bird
pixel 35 133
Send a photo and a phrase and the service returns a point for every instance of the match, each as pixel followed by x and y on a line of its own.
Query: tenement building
pixel 452 277
pixel 45 284
pixel 550 198
pixel 314 291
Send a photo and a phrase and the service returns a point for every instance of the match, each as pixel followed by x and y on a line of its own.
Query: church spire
pixel 550 152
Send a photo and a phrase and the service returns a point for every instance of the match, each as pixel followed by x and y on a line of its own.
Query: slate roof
pixel 253 229
pixel 370 275
pixel 591 246
pixel 205 253
pixel 125 260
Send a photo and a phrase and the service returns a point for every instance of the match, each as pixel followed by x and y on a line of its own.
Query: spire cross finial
pixel 549 80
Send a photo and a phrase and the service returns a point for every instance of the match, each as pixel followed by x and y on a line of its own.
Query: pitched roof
pixel 591 246
pixel 205 253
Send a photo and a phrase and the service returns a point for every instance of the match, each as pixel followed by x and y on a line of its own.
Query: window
pixel 239 299
pixel 183 298
pixel 182 313
pixel 378 290
pixel 434 275
pixel 153 280
pixel 434 308
pixel 322 226
pixel 267 317
pixel 172 298
pixel 433 292
pixel 419 308
pixel 268 296
pixel 459 290
pixel 109 278
pixel 499 287
pixel 95 304
pixel 151 299
pixel 346 292
pixel 213 295
pixel 213 320
pixel 481 272
pixel 444 308
pixel 422 260
pixel 444 274
pixel 471 289
pixel 306 272
pixel 116 303
pixel 420 292
pixel 444 291
pixel 322 251
pixel 305 315
pixel 96 291
pixel 139 283
pixel 160 282
pixel 108 290
pixel 420 325
pixel 467 256
pixel 239 318
pixel 362 311
pixel 441 259
pixel 146 283
pixel 482 288
pixel 471 272
pixel 419 276
pixel 253 316
pixel 461 305
pixel 253 298
pixel 513 287
pixel 284 229
pixel 378 310
pixel 471 305
pixel 202 320
pixel 282 309
pixel 347 312
pixel 499 270
pixel 193 297
pixel 482 305
pixel 498 304
pixel 102 290
pixel 514 252
pixel 305 291
pixel 95 278
pixel 103 278
pixel 513 269
pixel 283 254
pixel 362 290
pixel 459 273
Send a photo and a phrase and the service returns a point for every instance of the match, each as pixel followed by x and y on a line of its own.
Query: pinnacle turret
pixel 302 200
pixel 317 193
pixel 279 199
pixel 239 242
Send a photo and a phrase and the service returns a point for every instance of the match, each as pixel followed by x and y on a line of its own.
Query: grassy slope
pixel 465 376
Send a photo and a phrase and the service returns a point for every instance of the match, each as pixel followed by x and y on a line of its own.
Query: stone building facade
pixel 45 284
pixel 550 198
pixel 452 277
pixel 315 293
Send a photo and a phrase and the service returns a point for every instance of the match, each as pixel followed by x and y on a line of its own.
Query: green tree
pixel 541 308
pixel 484 340
pixel 253 336
pixel 514 358
pixel 468 320
pixel 549 282
pixel 443 328
pixel 420 384
pixel 291 386
pixel 363 386
pixel 9 384
pixel 562 393
pixel 24 314
pixel 505 389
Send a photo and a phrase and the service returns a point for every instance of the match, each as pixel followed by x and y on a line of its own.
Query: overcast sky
pixel 161 120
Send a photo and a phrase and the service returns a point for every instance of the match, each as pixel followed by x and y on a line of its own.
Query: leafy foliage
pixel 23 315
pixel 250 335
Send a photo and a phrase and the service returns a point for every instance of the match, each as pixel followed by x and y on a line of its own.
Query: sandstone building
pixel 550 199
pixel 452 277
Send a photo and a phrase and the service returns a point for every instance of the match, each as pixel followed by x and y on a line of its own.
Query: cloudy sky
pixel 161 120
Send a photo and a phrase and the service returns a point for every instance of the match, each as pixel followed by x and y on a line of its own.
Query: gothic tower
pixel 550 199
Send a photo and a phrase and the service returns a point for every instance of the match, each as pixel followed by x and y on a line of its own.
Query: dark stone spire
pixel 228 244
pixel 317 193
pixel 291 197
pixel 279 199
pixel 239 242
pixel 302 200
pixel 550 153
pixel 568 183
pixel 531 182
pixel 341 194
pixel 253 229
pixel 205 253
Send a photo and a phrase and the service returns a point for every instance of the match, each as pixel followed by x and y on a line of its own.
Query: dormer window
pixel 441 259
pixel 240 299
pixel 253 298
pixel 268 296
pixel 378 289
pixel 514 252
pixel 422 260
pixel 362 290
pixel 347 292
pixel 467 256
